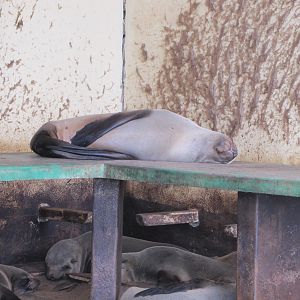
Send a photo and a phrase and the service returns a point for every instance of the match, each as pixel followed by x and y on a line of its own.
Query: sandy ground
pixel 56 290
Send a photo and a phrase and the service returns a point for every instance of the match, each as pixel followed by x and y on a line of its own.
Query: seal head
pixel 63 258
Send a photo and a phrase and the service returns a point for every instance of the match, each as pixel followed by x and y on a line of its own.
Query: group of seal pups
pixel 75 255
pixel 170 271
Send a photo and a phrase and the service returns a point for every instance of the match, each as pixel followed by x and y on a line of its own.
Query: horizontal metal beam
pixel 85 277
pixel 231 230
pixel 46 213
pixel 169 218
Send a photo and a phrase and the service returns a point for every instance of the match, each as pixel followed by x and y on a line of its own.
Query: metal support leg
pixel 107 237
pixel 268 247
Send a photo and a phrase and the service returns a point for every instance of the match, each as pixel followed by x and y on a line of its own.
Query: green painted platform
pixel 238 176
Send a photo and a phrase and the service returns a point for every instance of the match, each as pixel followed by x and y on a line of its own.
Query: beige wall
pixel 59 59
pixel 232 66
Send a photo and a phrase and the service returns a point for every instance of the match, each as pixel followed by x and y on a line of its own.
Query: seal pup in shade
pixel 6 287
pixel 195 290
pixel 6 294
pixel 158 135
pixel 4 281
pixel 17 280
pixel 161 265
pixel 69 256
pixel 74 255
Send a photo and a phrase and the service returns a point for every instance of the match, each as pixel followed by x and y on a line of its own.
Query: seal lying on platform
pixel 199 290
pixel 74 255
pixel 15 280
pixel 161 265
pixel 141 134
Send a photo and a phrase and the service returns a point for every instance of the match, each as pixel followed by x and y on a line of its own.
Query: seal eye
pixel 73 261
pixel 66 267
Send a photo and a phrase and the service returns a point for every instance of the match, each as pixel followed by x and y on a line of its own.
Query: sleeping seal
pixel 74 255
pixel 6 294
pixel 5 288
pixel 204 290
pixel 16 280
pixel 158 135
pixel 161 265
pixel 69 256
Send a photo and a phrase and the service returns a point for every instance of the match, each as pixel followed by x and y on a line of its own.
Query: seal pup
pixel 152 134
pixel 202 290
pixel 230 259
pixel 6 294
pixel 5 288
pixel 69 256
pixel 161 265
pixel 74 255
pixel 16 280
pixel 4 281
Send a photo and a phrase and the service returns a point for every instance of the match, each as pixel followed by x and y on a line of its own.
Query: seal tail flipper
pixel 172 288
pixel 43 144
pixel 6 294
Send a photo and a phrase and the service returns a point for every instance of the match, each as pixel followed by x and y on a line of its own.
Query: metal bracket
pixel 231 230
pixel 41 219
pixel 169 218
pixel 47 213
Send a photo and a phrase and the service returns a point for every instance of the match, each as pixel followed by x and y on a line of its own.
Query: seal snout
pixel 51 277
pixel 226 150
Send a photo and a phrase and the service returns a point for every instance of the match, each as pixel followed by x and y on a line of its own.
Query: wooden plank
pixel 107 238
pixel 245 177
pixel 169 218
pixel 238 176
pixel 29 166
pixel 46 213
pixel 268 247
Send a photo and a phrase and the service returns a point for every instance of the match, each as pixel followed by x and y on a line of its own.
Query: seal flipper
pixel 44 144
pixel 172 288
pixel 6 294
pixel 94 130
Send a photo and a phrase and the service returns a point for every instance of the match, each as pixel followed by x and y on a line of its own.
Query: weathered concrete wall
pixel 232 66
pixel 59 59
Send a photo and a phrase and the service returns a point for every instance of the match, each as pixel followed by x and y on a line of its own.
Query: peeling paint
pixel 56 63
pixel 231 66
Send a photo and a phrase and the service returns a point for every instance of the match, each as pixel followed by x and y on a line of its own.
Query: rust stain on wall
pixel 232 66
pixel 46 69
pixel 237 65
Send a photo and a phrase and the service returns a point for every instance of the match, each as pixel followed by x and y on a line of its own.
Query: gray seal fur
pixel 160 265
pixel 208 291
pixel 16 280
pixel 74 255
pixel 155 135
pixel 69 256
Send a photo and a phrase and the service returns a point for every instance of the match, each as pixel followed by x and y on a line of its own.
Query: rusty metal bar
pixel 84 277
pixel 231 230
pixel 47 213
pixel 190 216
